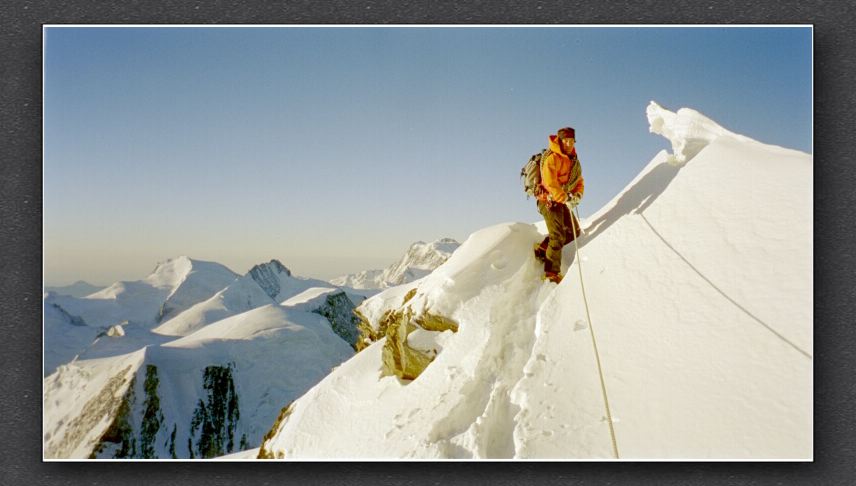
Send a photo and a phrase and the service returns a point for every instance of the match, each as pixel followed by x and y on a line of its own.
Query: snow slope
pixel 698 285
pixel 70 337
pixel 172 287
pixel 275 353
pixel 241 295
pixel 418 261
pixel 266 283
pixel 124 389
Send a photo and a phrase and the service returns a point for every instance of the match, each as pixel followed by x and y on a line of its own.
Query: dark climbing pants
pixel 562 228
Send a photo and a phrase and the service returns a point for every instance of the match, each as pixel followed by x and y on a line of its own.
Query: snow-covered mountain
pixel 66 336
pixel 205 382
pixel 682 330
pixel 267 283
pixel 77 289
pixel 173 286
pixel 74 324
pixel 209 393
pixel 418 261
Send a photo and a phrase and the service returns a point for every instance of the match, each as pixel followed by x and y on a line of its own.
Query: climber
pixel 560 190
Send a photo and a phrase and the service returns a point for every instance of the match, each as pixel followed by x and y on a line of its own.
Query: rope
pixel 737 304
pixel 593 340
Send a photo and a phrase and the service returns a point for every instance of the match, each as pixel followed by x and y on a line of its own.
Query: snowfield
pixel 698 285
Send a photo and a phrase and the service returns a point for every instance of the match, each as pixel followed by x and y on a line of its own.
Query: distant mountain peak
pixel 275 265
pixel 267 275
pixel 420 259
pixel 171 272
pixel 79 288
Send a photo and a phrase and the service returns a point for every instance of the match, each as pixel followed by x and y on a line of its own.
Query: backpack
pixel 531 174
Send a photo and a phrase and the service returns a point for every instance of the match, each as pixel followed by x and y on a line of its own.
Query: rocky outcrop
pixel 399 358
pixel 136 427
pixel 152 414
pixel 212 428
pixel 264 452
pixel 120 440
pixel 266 275
pixel 339 310
pixel 109 402
pixel 369 333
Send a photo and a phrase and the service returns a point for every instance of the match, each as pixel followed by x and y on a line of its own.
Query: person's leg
pixel 571 224
pixel 556 234
pixel 541 249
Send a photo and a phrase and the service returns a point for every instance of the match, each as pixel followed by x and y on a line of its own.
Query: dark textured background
pixel 21 230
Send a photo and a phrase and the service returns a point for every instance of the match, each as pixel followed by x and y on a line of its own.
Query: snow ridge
pixel 701 296
pixel 77 289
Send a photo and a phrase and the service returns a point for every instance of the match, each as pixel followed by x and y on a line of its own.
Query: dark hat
pixel 566 132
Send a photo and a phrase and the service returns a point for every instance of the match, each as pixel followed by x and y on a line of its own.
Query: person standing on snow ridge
pixel 561 188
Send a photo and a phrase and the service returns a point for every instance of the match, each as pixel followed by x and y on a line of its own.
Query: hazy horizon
pixel 303 268
pixel 332 149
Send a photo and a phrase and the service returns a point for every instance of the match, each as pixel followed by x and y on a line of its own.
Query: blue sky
pixel 332 149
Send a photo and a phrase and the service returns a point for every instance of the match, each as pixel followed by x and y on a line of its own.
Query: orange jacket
pixel 560 175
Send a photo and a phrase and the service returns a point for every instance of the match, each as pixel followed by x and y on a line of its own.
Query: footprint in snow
pixel 580 325
pixel 498 260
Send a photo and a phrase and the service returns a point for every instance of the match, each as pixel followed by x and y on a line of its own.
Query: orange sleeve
pixel 580 188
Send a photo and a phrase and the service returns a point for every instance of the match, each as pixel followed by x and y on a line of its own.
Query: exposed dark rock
pixel 266 275
pixel 339 310
pixel 215 419
pixel 73 320
pixel 152 414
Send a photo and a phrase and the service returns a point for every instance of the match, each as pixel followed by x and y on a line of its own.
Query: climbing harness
pixel 593 340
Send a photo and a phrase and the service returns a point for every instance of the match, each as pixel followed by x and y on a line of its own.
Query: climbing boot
pixel 540 253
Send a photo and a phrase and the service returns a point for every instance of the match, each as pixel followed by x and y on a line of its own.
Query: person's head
pixel 567 138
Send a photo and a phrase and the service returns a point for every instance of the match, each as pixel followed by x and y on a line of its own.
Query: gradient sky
pixel 332 149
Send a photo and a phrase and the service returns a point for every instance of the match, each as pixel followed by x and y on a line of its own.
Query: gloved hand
pixel 573 200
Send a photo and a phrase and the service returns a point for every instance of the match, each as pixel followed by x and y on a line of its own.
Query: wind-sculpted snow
pixel 688 130
pixel 698 285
